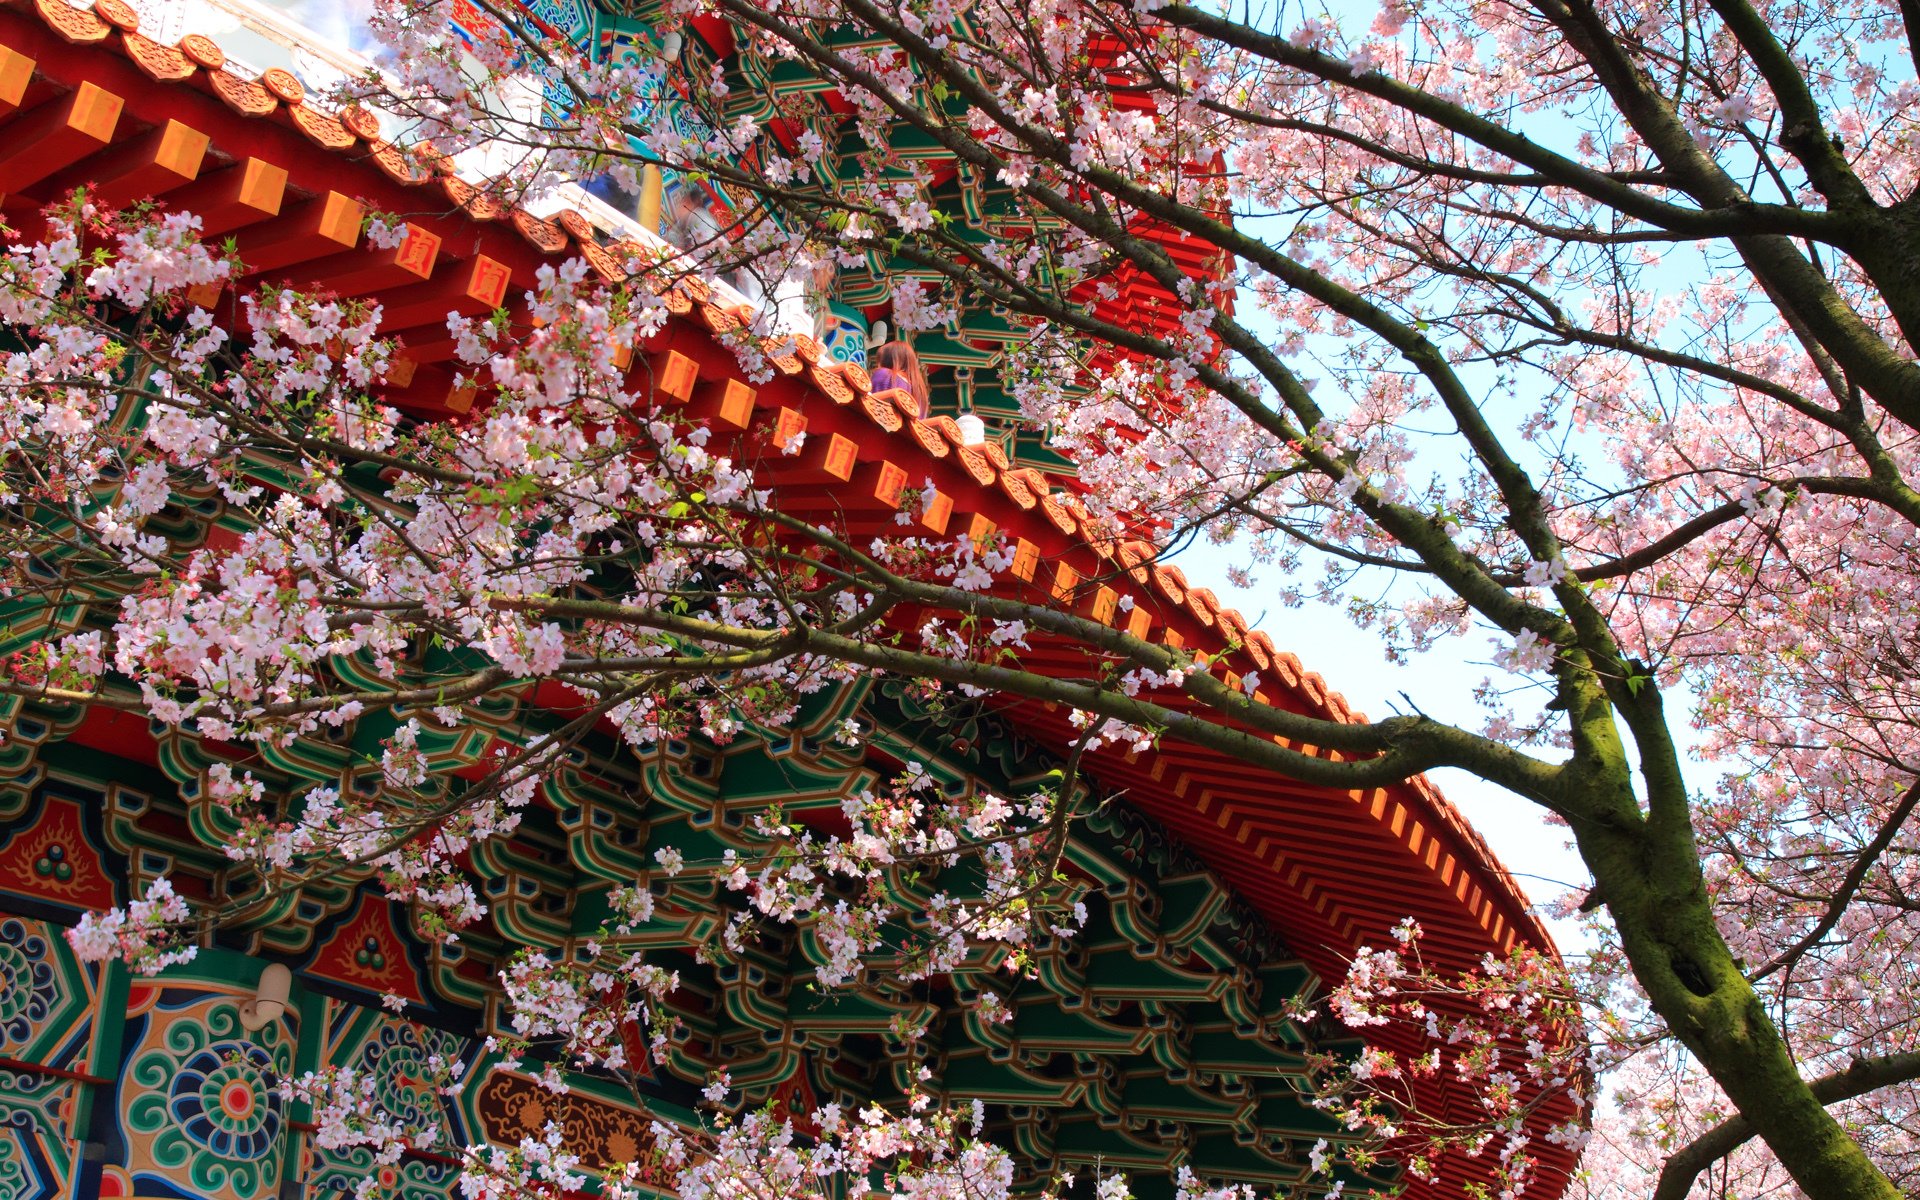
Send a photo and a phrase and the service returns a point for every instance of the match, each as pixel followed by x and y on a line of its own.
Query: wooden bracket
pixel 323 226
pixel 1065 580
pixel 166 157
pixel 250 190
pixel 1026 560
pixel 788 424
pixel 469 288
pixel 673 375
pixel 58 134
pixel 411 262
pixel 16 72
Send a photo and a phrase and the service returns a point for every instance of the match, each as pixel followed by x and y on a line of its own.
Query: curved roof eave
pixel 1332 870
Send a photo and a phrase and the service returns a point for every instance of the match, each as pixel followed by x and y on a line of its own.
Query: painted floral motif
pixel 47 857
pixel 223 1100
pixel 367 952
pixel 513 1108
pixel 338 1174
pixel 404 1059
pixel 27 981
pixel 199 1097
pixel 35 1160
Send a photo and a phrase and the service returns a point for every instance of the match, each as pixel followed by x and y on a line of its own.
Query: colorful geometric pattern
pixel 47 999
pixel 399 1061
pixel 571 19
pixel 200 1111
pixel 1155 1036
pixel 338 1175
pixel 36 1160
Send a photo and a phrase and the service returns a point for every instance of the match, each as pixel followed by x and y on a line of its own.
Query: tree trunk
pixel 1652 881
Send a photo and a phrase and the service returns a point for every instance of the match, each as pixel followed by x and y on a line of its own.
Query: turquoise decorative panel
pixel 842 331
pixel 571 19
pixel 634 44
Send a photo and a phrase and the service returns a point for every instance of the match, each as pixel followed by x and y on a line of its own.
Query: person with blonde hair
pixel 895 365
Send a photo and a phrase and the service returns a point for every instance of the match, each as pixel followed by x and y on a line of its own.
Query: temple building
pixel 1158 1037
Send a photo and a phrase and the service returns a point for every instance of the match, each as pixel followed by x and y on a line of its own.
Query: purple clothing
pixel 886 377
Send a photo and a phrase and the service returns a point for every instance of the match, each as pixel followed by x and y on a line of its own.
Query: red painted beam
pixel 166 157
pixel 324 226
pixel 377 270
pixel 249 191
pixel 469 288
pixel 57 134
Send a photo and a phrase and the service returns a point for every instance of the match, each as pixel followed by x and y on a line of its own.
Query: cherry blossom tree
pixel 1582 326
pixel 1638 267
pixel 366 567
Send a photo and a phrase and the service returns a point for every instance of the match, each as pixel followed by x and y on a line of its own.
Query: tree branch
pixel 1863 1076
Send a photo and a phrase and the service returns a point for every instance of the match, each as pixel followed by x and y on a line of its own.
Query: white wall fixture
pixel 269 1001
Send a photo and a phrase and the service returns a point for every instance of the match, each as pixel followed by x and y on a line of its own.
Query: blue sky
pixel 1440 682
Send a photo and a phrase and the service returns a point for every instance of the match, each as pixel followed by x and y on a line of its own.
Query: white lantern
pixel 973 431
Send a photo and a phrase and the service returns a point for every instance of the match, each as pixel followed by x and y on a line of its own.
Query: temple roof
pixel 89 98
